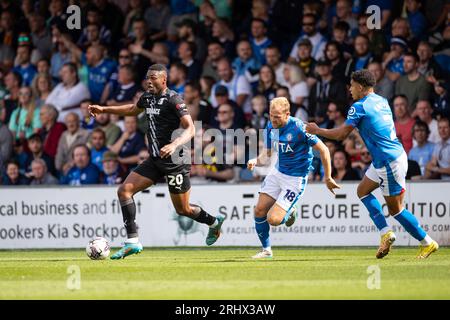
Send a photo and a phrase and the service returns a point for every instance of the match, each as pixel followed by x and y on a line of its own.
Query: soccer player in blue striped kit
pixel 286 182
pixel 372 116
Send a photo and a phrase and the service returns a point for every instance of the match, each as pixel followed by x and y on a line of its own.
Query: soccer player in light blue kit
pixel 372 116
pixel 286 182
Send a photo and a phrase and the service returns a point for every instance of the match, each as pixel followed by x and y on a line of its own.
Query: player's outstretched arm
pixel 262 160
pixel 326 162
pixel 335 134
pixel 123 110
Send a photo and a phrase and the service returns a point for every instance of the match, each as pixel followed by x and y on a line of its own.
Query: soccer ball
pixel 98 249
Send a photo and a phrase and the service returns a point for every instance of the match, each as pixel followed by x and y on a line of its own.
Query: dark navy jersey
pixel 163 114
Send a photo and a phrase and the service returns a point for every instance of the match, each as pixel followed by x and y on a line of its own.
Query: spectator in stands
pixel 260 116
pixel 39 174
pixel 134 10
pixel 98 149
pixel 12 176
pixel 24 66
pixel 325 90
pixel 60 57
pixel 340 35
pixel 83 171
pixel 40 36
pixel 306 62
pixel 362 56
pixel 384 86
pixel 413 85
pixel 67 95
pixel 377 40
pixel 215 53
pixel 424 112
pixel 73 136
pixel 337 114
pixel 422 153
pixel 441 99
pixel 297 111
pixel 403 122
pixel 440 162
pixel 36 151
pixel 113 173
pixel 87 121
pixel 310 32
pixel 225 118
pixel 124 59
pixel 344 13
pixel 416 19
pixel 13 81
pixel 245 64
pixel 187 32
pixel 51 130
pixel 273 59
pixel 296 82
pixel 186 53
pixel 94 25
pixel 129 144
pixel 157 17
pixel 364 163
pixel 259 40
pixel 333 53
pixel 267 84
pixel 112 131
pixel 139 46
pixel 222 97
pixel 107 9
pixel 222 32
pixel 25 120
pixel 180 10
pixel 342 169
pixel 427 66
pixel 6 145
pixel 393 60
pixel 193 99
pixel 178 77
pixel 239 88
pixel 126 89
pixel 42 86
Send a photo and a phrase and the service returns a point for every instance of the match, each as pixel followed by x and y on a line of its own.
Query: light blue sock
pixel 262 229
pixel 375 211
pixel 411 224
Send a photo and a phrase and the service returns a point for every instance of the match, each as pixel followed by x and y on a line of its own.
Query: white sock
pixel 426 241
pixel 268 249
pixel 215 223
pixel 132 240
pixel 384 231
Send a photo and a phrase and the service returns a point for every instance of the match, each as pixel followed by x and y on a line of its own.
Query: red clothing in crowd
pixel 404 133
pixel 51 138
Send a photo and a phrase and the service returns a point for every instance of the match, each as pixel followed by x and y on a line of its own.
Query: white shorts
pixel 286 190
pixel 392 177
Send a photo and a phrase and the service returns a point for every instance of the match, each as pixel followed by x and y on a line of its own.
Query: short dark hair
pixel 364 77
pixel 157 67
pixel 413 55
pixel 342 25
pixel 422 124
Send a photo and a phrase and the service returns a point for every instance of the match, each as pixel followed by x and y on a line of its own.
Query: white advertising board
pixel 67 217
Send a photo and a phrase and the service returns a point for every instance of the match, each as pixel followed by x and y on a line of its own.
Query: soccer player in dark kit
pixel 165 112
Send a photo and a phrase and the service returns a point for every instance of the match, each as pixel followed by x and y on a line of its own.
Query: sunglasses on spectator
pixel 124 57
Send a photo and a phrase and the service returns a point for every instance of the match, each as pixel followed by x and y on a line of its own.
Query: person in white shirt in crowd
pixel 68 95
pixel 424 112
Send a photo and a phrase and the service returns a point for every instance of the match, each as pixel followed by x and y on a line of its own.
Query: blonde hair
pixel 296 74
pixel 280 102
pixel 30 110
pixel 35 86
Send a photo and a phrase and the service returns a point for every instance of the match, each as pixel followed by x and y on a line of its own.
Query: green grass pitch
pixel 226 273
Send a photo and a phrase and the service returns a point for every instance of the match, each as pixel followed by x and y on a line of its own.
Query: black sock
pixel 129 217
pixel 203 216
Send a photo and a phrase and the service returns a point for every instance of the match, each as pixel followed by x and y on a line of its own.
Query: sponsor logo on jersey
pixel 180 106
pixel 282 147
pixel 152 110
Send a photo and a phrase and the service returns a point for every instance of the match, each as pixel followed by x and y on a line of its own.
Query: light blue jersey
pixel 293 145
pixel 373 118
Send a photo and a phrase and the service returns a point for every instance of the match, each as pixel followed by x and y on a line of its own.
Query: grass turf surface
pixel 226 273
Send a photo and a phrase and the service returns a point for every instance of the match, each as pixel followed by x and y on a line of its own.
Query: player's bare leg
pixel 262 226
pixel 365 189
pixel 183 207
pixel 411 225
pixel 132 184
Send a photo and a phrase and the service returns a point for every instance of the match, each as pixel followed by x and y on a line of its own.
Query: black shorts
pixel 177 175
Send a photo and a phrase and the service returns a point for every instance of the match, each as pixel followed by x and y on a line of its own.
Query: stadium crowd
pixel 228 59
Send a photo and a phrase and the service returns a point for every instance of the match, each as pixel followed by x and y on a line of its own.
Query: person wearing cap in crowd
pixel 221 95
pixel 113 172
pixel 393 60
pixel 23 58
